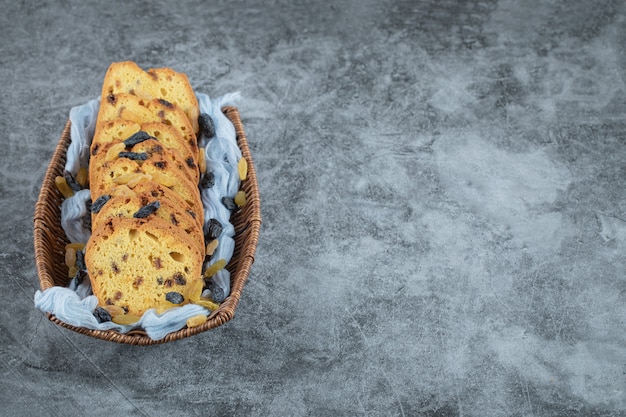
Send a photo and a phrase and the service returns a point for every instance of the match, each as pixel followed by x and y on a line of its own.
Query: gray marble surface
pixel 443 200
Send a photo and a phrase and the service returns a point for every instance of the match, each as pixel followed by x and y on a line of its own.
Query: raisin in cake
pixel 161 192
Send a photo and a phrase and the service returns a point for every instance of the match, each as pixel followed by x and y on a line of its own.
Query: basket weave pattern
pixel 50 241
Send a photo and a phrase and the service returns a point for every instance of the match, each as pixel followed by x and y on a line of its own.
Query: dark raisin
pixel 213 230
pixel 147 210
pixel 190 163
pixel 137 138
pixel 95 148
pixel 179 279
pixel 165 103
pixel 79 277
pixel 111 98
pixel 207 180
pixel 80 261
pixel 160 164
pixel 101 315
pixel 174 220
pixel 118 295
pixel 229 203
pixel 86 222
pixel 160 280
pixel 191 213
pixel 71 181
pixel 207 127
pixel 97 205
pixel 115 268
pixel 157 264
pixel 135 156
pixel 217 292
pixel 174 297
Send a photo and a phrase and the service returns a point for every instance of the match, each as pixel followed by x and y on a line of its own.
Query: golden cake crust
pixel 155 83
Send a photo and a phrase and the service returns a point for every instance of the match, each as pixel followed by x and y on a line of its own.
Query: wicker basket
pixel 50 241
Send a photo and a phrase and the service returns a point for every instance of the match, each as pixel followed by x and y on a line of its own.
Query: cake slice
pixel 159 83
pixel 147 204
pixel 135 109
pixel 147 245
pixel 138 264
pixel 119 130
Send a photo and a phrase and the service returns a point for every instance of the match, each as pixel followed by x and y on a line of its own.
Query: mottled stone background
pixel 443 199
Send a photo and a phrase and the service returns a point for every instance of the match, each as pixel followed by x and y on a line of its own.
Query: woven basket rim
pixel 49 242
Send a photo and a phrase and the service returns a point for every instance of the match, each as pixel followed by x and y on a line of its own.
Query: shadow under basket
pixel 50 241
